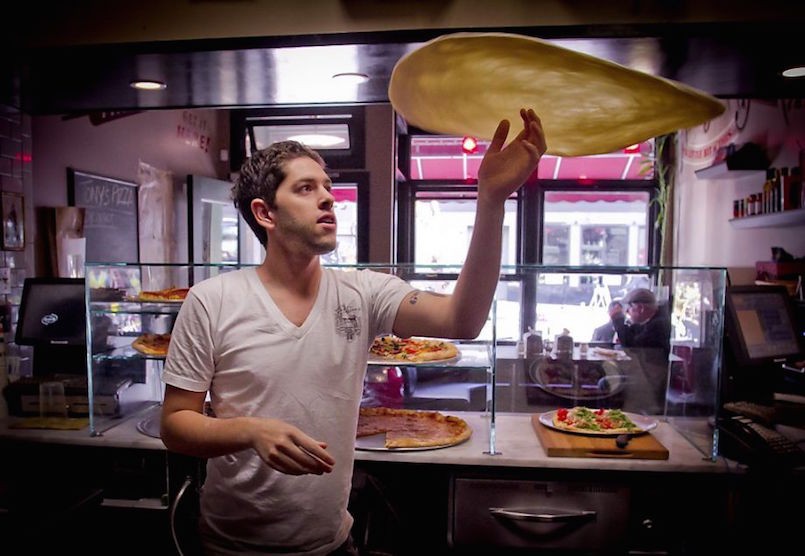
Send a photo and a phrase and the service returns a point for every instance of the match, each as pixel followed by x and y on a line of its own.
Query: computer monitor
pixel 52 319
pixel 761 325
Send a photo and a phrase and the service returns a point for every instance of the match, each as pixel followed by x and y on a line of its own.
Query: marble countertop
pixel 516 445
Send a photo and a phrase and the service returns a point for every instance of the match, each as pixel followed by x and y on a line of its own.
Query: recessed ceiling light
pixel 148 85
pixel 315 140
pixel 352 77
pixel 798 71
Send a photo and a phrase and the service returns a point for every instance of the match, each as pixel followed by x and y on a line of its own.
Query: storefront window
pixel 444 227
pixel 578 303
pixel 580 211
pixel 596 228
pixel 556 249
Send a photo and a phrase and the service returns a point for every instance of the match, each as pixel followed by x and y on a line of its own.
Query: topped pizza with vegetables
pixel 588 420
pixel 411 350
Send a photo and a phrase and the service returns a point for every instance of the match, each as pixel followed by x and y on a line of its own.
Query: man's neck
pixel 296 273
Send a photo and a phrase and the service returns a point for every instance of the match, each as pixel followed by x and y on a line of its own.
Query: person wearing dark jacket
pixel 646 337
pixel 649 326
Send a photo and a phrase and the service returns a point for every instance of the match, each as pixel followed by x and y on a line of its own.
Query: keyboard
pixel 762 445
pixel 765 414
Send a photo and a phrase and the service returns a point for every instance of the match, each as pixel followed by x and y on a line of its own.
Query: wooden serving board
pixel 569 445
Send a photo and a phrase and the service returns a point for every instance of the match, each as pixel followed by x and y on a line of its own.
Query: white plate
pixel 609 354
pixel 375 360
pixel 375 443
pixel 645 423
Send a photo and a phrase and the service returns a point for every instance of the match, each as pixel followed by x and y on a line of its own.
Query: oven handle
pixel 542 515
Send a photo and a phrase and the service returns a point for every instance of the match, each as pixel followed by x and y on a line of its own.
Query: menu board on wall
pixel 110 217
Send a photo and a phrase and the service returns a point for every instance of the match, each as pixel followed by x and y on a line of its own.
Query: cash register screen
pixel 52 318
pixel 761 324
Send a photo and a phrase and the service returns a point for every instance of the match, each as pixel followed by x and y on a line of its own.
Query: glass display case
pixel 563 306
pixel 583 362
pixel 124 373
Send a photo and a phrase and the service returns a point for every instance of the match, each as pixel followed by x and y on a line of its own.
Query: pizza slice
pixel 168 294
pixel 154 345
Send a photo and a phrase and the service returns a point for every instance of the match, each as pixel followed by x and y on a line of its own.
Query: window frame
pixel 243 122
pixel 529 229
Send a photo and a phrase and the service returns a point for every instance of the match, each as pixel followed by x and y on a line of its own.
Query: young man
pixel 282 350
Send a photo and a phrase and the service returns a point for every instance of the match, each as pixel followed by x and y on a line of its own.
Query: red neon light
pixel 469 145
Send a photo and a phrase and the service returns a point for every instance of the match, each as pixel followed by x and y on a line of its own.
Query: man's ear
pixel 262 212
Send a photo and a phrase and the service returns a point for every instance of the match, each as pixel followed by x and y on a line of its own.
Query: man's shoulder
pixel 360 276
pixel 223 282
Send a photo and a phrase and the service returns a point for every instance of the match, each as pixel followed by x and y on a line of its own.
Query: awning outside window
pixel 441 158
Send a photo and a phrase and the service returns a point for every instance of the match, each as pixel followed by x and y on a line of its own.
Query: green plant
pixel 661 166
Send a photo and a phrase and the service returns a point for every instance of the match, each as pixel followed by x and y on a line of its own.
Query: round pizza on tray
pixel 408 428
pixel 411 350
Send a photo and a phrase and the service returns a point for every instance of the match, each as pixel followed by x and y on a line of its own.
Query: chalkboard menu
pixel 110 216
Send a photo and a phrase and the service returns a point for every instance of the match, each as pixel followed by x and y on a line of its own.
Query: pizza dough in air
pixel 465 83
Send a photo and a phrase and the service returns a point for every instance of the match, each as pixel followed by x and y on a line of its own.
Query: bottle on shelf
pixel 789 194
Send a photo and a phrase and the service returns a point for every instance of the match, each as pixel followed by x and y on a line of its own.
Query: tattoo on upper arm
pixel 415 297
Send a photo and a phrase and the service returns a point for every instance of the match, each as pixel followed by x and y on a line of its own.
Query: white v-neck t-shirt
pixel 231 338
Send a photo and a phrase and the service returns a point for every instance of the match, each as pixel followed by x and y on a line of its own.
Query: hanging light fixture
pixel 147 85
pixel 797 71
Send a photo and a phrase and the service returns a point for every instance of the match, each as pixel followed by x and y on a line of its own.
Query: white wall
pixel 177 141
pixel 704 235
pixel 186 142
pixel 181 141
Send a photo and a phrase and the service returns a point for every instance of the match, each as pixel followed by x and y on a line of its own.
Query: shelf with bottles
pixel 793 217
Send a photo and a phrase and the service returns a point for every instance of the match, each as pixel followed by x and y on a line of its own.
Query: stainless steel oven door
pixel 504 513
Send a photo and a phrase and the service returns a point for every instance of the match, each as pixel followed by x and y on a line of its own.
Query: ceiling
pixel 735 60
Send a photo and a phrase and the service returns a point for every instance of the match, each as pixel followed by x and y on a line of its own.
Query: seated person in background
pixel 649 327
pixel 606 332
pixel 647 338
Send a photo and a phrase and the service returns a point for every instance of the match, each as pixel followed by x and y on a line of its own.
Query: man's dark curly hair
pixel 260 176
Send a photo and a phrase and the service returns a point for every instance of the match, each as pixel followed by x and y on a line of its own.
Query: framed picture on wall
pixel 13 213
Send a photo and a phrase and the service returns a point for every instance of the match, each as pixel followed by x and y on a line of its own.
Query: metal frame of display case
pixel 495 376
